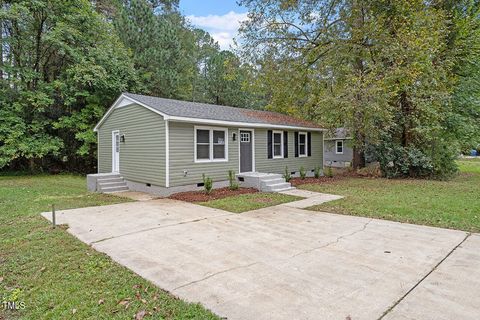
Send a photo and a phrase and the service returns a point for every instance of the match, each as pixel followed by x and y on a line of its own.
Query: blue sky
pixel 221 18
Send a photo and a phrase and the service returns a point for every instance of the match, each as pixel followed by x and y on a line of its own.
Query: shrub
pixel 287 176
pixel 303 173
pixel 316 172
pixel 207 183
pixel 329 173
pixel 232 180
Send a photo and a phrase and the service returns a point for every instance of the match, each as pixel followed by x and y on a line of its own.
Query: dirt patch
pixel 201 196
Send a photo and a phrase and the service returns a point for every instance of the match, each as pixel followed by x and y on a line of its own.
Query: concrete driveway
pixel 283 262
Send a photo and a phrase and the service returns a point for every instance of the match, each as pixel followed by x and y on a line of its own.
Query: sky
pixel 221 18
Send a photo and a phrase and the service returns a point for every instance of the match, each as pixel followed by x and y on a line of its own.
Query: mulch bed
pixel 310 180
pixel 201 196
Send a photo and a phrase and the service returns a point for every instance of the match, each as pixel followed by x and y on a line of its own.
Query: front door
pixel 115 151
pixel 246 151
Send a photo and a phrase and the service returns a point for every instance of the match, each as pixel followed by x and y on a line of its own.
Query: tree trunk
pixel 358 36
pixel 358 158
pixel 31 164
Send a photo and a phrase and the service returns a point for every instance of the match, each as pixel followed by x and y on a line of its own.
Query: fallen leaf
pixel 74 311
pixel 124 301
pixel 155 297
pixel 136 286
pixel 140 315
pixel 144 301
pixel 43 269
pixel 101 301
pixel 1 279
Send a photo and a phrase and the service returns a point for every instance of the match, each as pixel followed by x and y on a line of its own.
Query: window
pixel 277 144
pixel 245 137
pixel 210 144
pixel 302 144
pixel 339 146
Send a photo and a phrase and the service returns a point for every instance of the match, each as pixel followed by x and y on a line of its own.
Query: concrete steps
pixel 111 183
pixel 266 182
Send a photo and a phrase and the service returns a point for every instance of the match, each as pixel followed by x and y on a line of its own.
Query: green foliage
pixel 436 161
pixel 317 171
pixel 233 184
pixel 406 69
pixel 60 58
pixel 207 183
pixel 303 173
pixel 63 63
pixel 329 172
pixel 287 175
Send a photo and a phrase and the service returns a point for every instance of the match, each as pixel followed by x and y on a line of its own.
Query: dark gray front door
pixel 246 163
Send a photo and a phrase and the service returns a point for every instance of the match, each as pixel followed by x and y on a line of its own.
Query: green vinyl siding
pixel 182 156
pixel 142 155
pixel 263 164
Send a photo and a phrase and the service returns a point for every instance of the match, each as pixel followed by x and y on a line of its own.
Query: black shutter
pixel 296 144
pixel 285 144
pixel 269 144
pixel 309 143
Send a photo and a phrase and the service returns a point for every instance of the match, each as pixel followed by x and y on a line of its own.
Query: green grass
pixel 251 201
pixel 58 276
pixel 451 204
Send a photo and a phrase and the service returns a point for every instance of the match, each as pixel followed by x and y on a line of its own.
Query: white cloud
pixel 222 28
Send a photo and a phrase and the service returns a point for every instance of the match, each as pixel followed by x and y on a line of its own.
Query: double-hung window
pixel 339 146
pixel 277 144
pixel 211 144
pixel 302 144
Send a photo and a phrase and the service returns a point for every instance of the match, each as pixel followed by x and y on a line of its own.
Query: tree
pixel 60 57
pixel 381 68
pixel 153 34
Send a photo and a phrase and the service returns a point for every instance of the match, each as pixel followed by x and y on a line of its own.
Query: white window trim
pixel 211 129
pixel 281 144
pixel 336 146
pixel 306 145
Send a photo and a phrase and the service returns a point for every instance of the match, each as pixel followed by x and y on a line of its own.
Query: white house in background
pixel 338 151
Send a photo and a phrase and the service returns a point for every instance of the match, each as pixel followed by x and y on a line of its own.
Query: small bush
pixel 303 173
pixel 316 172
pixel 207 184
pixel 287 176
pixel 329 172
pixel 232 180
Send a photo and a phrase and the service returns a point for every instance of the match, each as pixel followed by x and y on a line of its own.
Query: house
pixel 164 146
pixel 338 149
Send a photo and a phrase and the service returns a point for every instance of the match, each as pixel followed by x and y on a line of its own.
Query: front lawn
pixel 252 201
pixel 448 204
pixel 57 276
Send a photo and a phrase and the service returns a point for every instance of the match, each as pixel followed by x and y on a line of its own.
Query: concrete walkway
pixel 283 262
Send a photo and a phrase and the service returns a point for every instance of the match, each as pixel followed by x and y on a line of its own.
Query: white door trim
pixel 115 154
pixel 252 139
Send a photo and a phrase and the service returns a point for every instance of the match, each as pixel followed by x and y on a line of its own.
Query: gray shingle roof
pixel 217 112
